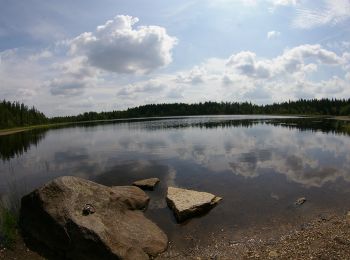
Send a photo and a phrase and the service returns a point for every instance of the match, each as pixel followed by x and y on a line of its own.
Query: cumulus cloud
pixel 347 76
pixel 298 59
pixel 273 34
pixel 245 75
pixel 151 86
pixel 118 46
pixel 20 75
pixel 293 60
pixel 176 93
pixel 274 3
pixel 41 55
pixel 67 86
pixel 248 76
pixel 246 63
pixel 331 12
pixel 283 2
pixel 194 76
pixel 73 77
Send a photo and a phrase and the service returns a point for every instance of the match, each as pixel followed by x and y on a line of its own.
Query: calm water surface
pixel 259 165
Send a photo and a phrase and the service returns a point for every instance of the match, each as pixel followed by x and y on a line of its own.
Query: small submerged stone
pixel 146 184
pixel 300 201
pixel 190 203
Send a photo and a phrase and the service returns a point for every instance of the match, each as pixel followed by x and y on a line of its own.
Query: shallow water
pixel 259 164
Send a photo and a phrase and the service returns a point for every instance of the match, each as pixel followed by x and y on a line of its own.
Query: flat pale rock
pixel 300 201
pixel 72 218
pixel 190 203
pixel 146 184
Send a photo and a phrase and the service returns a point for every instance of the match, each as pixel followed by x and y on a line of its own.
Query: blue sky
pixel 67 57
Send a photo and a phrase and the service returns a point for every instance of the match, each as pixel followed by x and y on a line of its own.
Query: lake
pixel 260 165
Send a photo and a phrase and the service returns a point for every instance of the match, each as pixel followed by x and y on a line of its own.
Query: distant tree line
pixel 333 107
pixel 15 114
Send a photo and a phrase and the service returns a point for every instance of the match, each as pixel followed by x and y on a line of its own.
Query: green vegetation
pixel 8 226
pixel 332 107
pixel 18 115
pixel 346 127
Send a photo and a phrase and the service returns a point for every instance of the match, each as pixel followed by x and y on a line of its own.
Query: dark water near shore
pixel 259 165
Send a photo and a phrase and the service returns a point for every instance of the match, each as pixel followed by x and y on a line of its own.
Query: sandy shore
pixel 343 118
pixel 8 132
pixel 326 237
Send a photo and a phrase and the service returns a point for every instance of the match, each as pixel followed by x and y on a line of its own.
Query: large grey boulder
pixel 190 203
pixel 73 218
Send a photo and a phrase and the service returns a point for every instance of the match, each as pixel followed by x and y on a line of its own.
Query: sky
pixel 67 57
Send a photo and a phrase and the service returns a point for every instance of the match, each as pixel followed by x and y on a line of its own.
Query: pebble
pixel 300 201
pixel 341 240
pixel 273 254
pixel 348 217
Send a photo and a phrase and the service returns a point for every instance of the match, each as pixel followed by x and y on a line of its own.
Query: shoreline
pixel 342 118
pixel 9 131
pixel 322 237
pixel 14 130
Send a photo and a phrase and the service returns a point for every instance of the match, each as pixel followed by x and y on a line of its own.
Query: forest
pixel 16 114
pixel 334 107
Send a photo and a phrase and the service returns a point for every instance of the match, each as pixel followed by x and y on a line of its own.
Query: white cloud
pixel 73 76
pixel 41 55
pixel 284 2
pixel 253 3
pixel 194 76
pixel 246 76
pixel 176 93
pixel 331 12
pixel 339 45
pixel 73 71
pixel 295 60
pixel 347 76
pixel 118 47
pixel 20 76
pixel 274 3
pixel 246 63
pixel 114 47
pixel 72 86
pixel 151 86
pixel 273 34
pixel 67 86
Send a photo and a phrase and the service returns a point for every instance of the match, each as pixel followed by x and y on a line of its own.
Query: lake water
pixel 259 164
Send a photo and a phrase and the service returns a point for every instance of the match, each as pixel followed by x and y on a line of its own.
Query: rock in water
pixel 300 201
pixel 190 203
pixel 78 219
pixel 146 184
